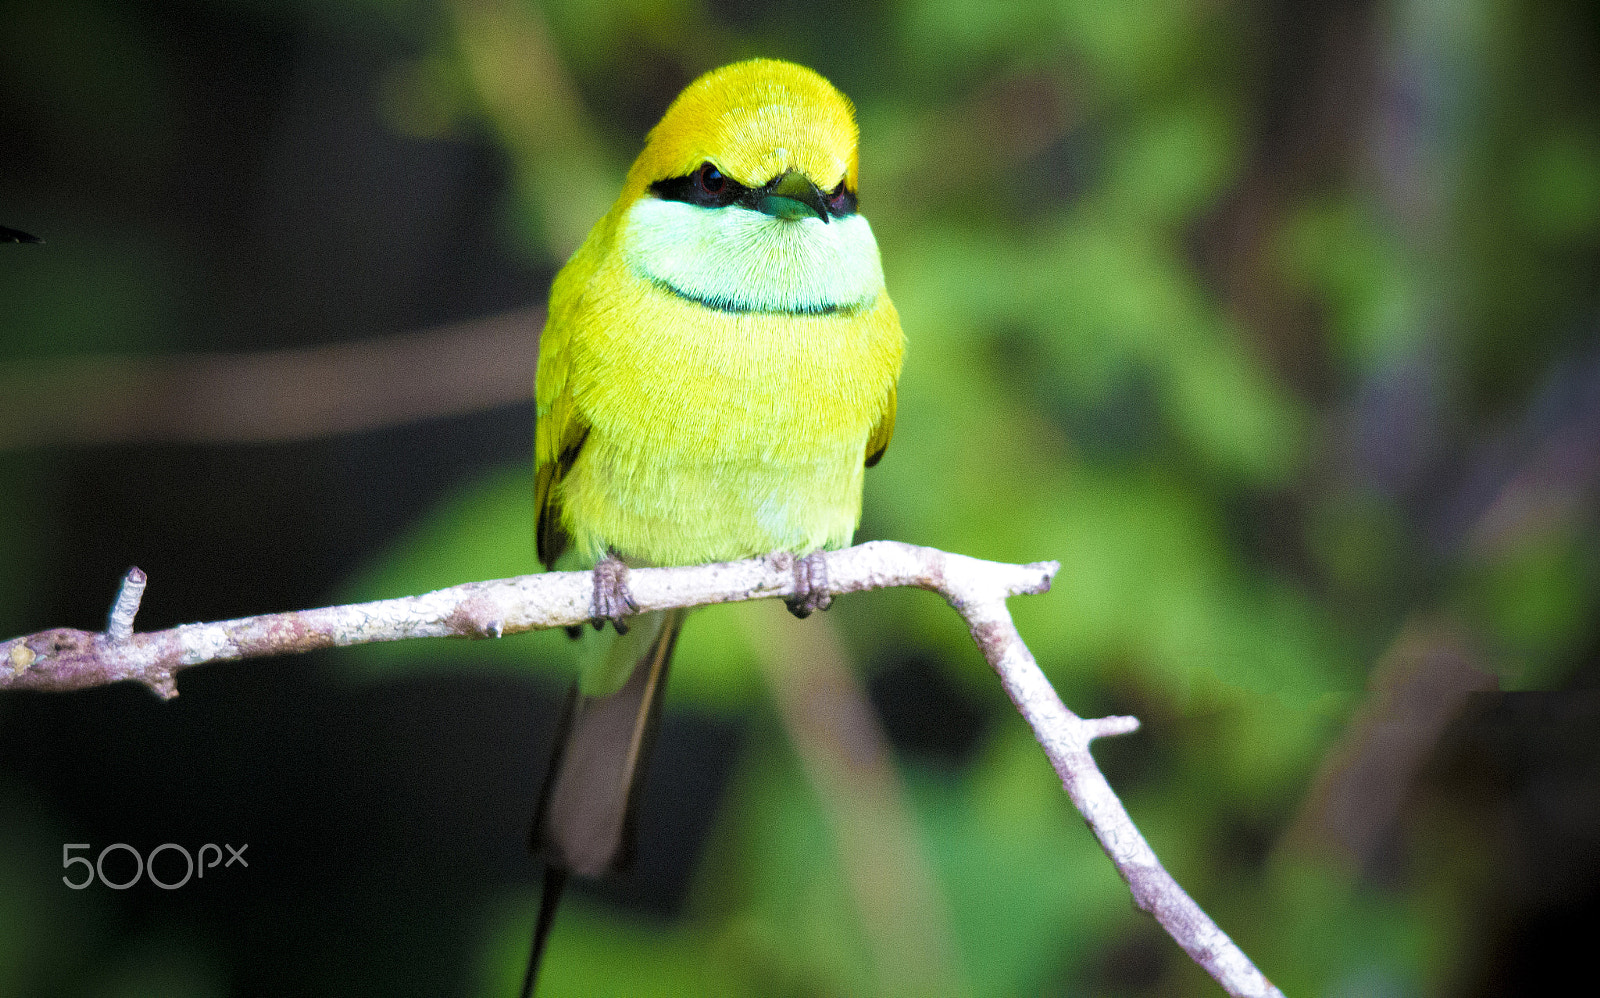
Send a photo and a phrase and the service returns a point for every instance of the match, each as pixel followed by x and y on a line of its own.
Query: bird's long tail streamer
pixel 586 819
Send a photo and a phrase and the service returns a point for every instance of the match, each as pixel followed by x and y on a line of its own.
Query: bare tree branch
pixel 66 659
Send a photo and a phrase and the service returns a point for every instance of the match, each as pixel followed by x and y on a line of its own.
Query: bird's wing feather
pixel 879 441
pixel 559 432
pixel 560 427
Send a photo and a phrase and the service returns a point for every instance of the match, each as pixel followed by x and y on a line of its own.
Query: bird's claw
pixel 810 585
pixel 612 599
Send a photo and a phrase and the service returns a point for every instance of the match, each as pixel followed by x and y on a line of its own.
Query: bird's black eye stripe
pixel 707 187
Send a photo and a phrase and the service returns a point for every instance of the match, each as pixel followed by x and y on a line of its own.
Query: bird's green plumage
pixel 721 403
pixel 715 375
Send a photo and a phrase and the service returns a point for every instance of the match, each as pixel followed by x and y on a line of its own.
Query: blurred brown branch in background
pixel 1419 686
pixel 529 99
pixel 836 733
pixel 298 394
pixel 1538 478
pixel 271 396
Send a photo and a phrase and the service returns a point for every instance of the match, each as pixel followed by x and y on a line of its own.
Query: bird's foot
pixel 612 600
pixel 810 585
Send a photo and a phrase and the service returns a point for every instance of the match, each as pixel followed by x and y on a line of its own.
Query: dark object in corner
pixel 17 236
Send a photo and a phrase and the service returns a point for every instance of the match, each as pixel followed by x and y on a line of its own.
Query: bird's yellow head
pixel 744 198
pixel 753 121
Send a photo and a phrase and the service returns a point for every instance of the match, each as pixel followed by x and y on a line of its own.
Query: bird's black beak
pixel 792 196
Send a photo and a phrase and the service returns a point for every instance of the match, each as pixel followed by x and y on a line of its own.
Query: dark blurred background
pixel 1275 323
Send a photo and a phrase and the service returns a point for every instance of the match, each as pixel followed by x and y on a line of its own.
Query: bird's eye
pixel 841 200
pixel 704 187
pixel 710 179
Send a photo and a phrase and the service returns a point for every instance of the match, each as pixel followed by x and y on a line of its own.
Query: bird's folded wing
pixel 879 441
pixel 559 428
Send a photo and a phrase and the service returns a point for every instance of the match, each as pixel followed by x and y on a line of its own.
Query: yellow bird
pixel 717 371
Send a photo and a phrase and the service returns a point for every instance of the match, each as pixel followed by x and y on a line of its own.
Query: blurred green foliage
pixel 1078 388
pixel 1082 227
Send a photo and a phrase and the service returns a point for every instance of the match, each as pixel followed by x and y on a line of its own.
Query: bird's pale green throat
pixel 784 248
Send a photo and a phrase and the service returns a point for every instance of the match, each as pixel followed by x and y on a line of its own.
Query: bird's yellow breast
pixel 717 434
